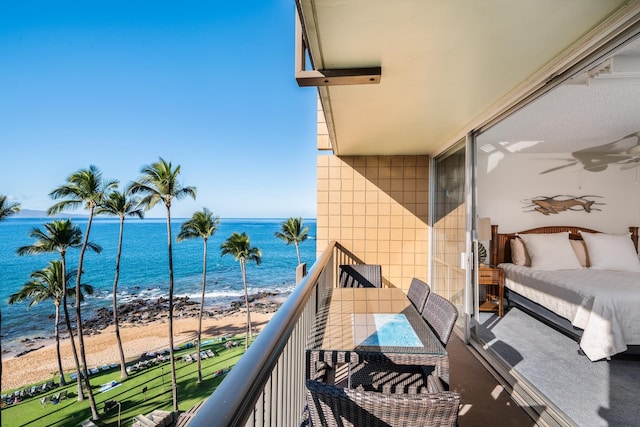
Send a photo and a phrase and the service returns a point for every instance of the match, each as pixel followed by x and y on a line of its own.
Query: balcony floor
pixel 484 402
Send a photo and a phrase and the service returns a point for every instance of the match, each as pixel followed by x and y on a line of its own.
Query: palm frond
pixel 201 224
pixel 7 209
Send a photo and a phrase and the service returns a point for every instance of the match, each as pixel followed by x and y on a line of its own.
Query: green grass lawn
pixel 157 380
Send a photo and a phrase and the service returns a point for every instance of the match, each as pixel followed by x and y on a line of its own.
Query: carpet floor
pixel 591 394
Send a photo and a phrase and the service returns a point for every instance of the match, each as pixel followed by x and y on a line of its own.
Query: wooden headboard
pixel 501 243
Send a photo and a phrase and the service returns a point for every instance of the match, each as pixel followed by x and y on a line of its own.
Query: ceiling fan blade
pixel 575 162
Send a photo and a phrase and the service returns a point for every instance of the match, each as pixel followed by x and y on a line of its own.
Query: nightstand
pixel 493 278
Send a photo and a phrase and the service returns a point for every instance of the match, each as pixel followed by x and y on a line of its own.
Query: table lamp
pixel 484 235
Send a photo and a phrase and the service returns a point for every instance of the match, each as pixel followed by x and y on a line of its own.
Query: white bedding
pixel 604 303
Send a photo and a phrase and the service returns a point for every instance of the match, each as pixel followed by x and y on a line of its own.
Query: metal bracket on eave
pixel 329 77
pixel 345 76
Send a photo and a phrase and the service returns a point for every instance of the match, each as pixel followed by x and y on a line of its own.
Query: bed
pixel 595 304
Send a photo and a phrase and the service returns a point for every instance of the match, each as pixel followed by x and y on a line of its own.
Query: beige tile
pixel 408 234
pixel 397 186
pixel 375 210
pixel 359 161
pixel 395 246
pixel 346 172
pixel 359 210
pixel 346 233
pixel 323 197
pixel 397 209
pixel 409 198
pixel 334 234
pixel 409 247
pixel 334 197
pixel 322 233
pixel 371 245
pixel 396 221
pixel 322 209
pixel 334 162
pixel 347 222
pixel 383 259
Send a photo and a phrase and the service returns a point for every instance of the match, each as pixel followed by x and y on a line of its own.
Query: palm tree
pixel 46 284
pixel 292 232
pixel 239 246
pixel 202 224
pixel 59 236
pixel 159 183
pixel 7 208
pixel 83 188
pixel 121 205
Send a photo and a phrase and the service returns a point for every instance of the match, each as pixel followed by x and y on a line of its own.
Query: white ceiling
pixel 444 63
pixel 579 114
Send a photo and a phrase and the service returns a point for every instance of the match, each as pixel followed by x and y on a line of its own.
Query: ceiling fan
pixel 596 159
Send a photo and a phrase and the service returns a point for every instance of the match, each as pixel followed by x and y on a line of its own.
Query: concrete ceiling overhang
pixel 444 63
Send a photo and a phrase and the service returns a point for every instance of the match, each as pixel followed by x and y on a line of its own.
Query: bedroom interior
pixel 569 162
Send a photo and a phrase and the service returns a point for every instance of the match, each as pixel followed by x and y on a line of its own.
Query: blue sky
pixel 208 85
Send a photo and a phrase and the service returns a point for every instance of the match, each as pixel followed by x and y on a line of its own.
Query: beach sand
pixel 101 349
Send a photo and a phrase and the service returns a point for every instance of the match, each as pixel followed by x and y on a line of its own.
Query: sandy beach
pixel 101 349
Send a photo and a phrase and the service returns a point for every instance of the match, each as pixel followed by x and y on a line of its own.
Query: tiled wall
pixel 377 208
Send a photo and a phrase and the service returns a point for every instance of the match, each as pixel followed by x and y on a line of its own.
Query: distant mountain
pixel 32 213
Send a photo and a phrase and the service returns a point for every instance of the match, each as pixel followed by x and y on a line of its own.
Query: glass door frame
pixel 465 261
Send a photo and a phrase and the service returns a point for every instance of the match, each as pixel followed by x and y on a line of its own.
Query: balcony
pixel 266 387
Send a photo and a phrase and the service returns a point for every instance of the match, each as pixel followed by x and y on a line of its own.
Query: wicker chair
pixel 386 377
pixel 361 276
pixel 328 405
pixel 418 293
pixel 440 314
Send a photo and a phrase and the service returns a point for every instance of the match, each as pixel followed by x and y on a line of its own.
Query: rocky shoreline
pixel 141 311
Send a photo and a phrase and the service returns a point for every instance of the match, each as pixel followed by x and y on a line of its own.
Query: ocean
pixel 144 269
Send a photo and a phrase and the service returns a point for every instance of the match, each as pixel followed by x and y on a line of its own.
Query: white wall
pixel 505 181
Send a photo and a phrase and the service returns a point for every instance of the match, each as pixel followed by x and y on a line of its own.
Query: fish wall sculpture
pixel 561 203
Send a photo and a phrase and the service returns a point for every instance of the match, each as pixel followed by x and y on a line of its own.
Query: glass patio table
pixel 375 325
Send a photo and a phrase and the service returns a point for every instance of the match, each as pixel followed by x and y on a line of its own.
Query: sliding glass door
pixel 449 226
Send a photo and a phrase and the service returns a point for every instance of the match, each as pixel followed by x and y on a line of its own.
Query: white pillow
pixel 611 252
pixel 550 251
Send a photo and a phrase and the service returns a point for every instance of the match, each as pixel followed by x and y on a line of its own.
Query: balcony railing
pixel 266 386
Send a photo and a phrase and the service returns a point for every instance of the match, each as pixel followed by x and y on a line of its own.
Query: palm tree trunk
pixel 56 333
pixel 174 381
pixel 92 402
pixel 204 284
pixel 123 366
pixel 246 302
pixel 67 321
pixel 298 252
